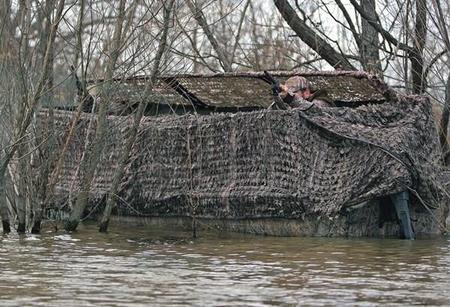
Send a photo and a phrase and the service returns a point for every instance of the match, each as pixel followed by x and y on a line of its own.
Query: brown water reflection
pixel 137 266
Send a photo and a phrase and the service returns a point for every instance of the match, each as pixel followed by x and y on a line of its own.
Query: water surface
pixel 147 265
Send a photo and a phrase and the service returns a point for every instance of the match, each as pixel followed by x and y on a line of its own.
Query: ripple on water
pixel 164 267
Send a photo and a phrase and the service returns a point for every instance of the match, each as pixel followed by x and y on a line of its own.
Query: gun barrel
pixel 270 78
pixel 276 88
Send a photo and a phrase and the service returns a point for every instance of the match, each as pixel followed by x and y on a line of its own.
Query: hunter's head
pixel 298 86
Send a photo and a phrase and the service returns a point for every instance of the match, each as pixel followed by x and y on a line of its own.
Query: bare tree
pixel 29 104
pixel 112 199
pixel 201 19
pixel 369 44
pixel 92 157
pixel 317 43
pixel 443 127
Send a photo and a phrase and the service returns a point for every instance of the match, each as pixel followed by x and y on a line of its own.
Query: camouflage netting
pixel 267 164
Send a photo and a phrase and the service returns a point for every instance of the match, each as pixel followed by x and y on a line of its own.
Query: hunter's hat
pixel 297 83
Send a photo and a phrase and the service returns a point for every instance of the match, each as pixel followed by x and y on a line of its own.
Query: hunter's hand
pixel 276 88
pixel 283 91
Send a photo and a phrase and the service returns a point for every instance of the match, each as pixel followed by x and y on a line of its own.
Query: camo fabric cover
pixel 265 164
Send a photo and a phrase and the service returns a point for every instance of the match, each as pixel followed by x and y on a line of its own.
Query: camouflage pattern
pixel 297 83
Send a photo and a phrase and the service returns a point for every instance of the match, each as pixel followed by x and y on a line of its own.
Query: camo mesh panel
pixel 265 163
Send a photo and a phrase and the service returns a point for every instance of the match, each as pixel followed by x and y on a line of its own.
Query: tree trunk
pixel 4 212
pixel 111 201
pixel 79 44
pixel 201 20
pixel 21 184
pixel 92 157
pixel 255 38
pixel 443 126
pixel 306 34
pixel 5 30
pixel 32 104
pixel 416 56
pixel 37 217
pixel 369 48
pixel 46 156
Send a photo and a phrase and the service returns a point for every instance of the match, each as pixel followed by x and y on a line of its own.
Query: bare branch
pixel 200 17
pixel 325 50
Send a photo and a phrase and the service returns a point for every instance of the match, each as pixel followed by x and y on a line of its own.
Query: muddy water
pixel 141 266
